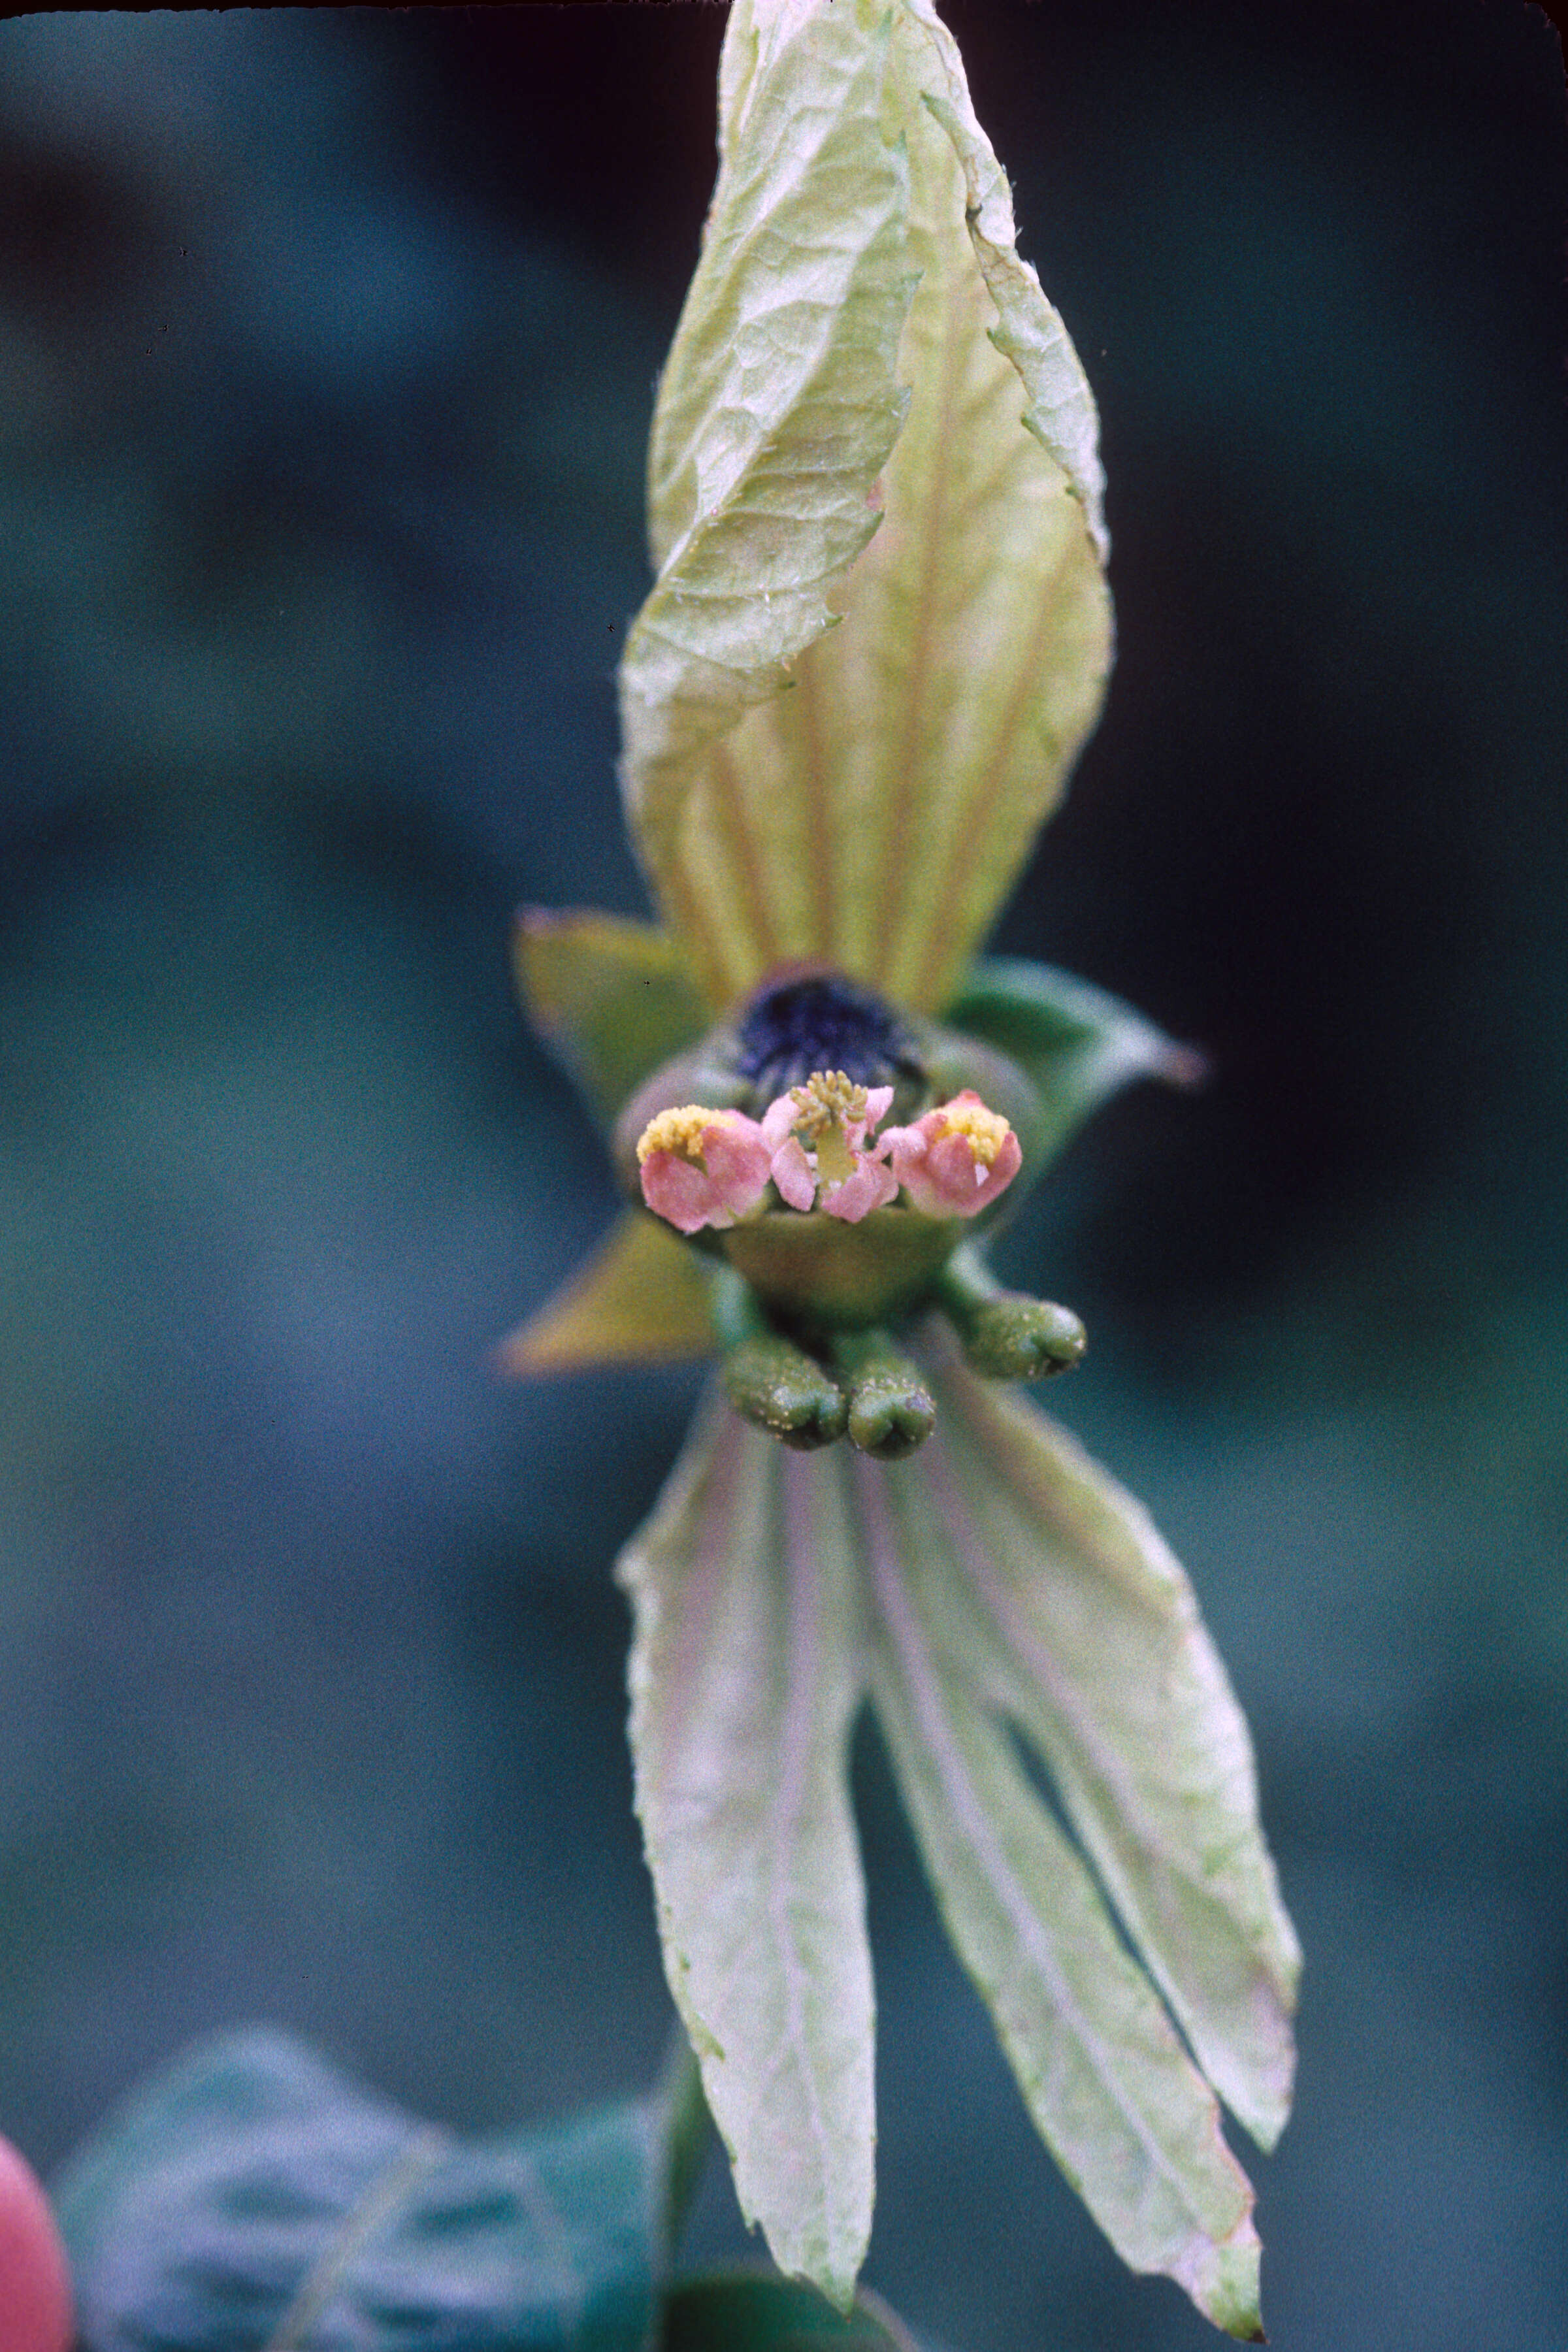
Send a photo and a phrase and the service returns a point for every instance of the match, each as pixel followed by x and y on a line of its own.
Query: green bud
pixel 891 1409
pixel 1007 1334
pixel 778 1387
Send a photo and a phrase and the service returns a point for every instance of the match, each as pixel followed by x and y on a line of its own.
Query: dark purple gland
pixel 818 1021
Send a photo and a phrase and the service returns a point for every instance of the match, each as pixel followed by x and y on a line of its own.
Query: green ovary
pixel 818 1272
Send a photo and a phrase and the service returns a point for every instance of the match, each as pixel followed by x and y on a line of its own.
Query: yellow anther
pixel 680 1132
pixel 987 1131
pixel 826 1095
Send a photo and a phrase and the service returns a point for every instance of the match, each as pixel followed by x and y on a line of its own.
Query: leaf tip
pixel 1222 2277
pixel 835 2275
pixel 825 2257
pixel 1183 1065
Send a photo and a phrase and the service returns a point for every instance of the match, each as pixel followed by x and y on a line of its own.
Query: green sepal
pixel 252 2197
pixel 644 1297
pixel 1077 1043
pixel 611 998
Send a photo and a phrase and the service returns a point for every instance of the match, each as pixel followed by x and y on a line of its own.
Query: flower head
pixel 710 1169
pixel 821 1129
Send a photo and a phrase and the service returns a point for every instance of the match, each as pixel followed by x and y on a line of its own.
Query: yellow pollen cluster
pixel 828 1095
pixel 987 1131
pixel 680 1132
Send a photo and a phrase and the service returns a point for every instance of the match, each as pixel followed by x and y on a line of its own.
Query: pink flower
pixel 954 1160
pixel 818 1136
pixel 701 1167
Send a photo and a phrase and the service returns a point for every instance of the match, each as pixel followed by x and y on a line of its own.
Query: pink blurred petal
pixel 792 1174
pixel 34 2283
pixel 872 1186
pixel 778 1120
pixel 739 1162
pixel 680 1192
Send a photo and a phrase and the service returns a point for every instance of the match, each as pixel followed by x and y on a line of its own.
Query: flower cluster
pixel 713 1168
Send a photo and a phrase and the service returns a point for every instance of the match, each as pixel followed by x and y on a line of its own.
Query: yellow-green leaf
pixel 613 998
pixel 875 811
pixel 642 1298
pixel 745 1676
pixel 995 1588
pixel 1061 410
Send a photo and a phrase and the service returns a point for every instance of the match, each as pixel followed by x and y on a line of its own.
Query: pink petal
pixel 906 1147
pixel 683 1195
pixel 953 1173
pixel 778 1120
pixel 739 1162
pixel 943 1174
pixel 872 1186
pixel 999 1175
pixel 792 1173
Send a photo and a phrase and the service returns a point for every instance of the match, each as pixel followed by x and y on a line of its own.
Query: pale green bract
pixel 997 1586
pixel 865 793
pixel 879 635
pixel 745 1682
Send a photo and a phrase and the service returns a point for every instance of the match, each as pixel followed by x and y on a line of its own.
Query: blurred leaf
pixel 611 999
pixel 1009 1578
pixel 1078 1044
pixel 254 2200
pixel 642 1298
pixel 776 411
pixel 876 814
pixel 1081 1622
pixel 747 2310
pixel 744 1679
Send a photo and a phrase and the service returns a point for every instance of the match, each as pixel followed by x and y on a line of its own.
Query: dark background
pixel 327 343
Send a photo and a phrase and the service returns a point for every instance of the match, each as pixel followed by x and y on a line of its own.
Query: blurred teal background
pixel 327 344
